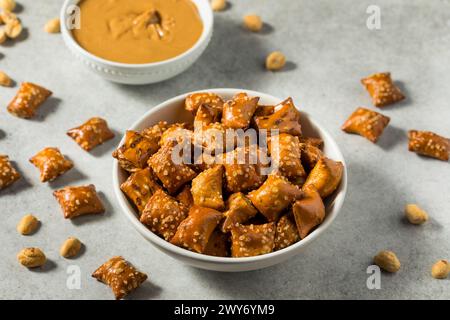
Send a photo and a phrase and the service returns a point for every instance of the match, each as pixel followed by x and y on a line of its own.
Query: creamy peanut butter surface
pixel 138 31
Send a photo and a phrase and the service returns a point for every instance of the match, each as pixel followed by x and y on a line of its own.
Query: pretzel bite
pixel 286 119
pixel 366 123
pixel 429 144
pixel 139 187
pixel 195 231
pixel 120 276
pixel 92 133
pixel 27 100
pixel 77 201
pixel 163 214
pixel 243 169
pixel 155 132
pixel 252 240
pixel 286 156
pixel 310 155
pixel 309 212
pixel 172 175
pixel 179 132
pixel 207 188
pixel 195 100
pixel 238 113
pixel 51 163
pixel 286 232
pixel 135 152
pixel 185 197
pixel 274 196
pixel 382 90
pixel 8 174
pixel 218 244
pixel 239 211
pixel 206 115
pixel 213 138
pixel 325 176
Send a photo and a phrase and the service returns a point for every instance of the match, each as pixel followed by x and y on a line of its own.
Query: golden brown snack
pixel 179 132
pixel 243 169
pixel 139 187
pixel 92 133
pixel 239 211
pixel 264 110
pixel 286 153
pixel 163 214
pixel 213 138
pixel 286 232
pixel 195 231
pixel 286 119
pixel 51 163
pixel 195 100
pixel 206 115
pixel 172 175
pixel 429 144
pixel 274 196
pixel 154 133
pixel 27 100
pixel 315 142
pixel 8 174
pixel 207 188
pixel 382 90
pixel 135 152
pixel 185 197
pixel 238 112
pixel 31 257
pixel 325 176
pixel 308 212
pixel 252 240
pixel 310 155
pixel 366 123
pixel 120 276
pixel 77 201
pixel 218 244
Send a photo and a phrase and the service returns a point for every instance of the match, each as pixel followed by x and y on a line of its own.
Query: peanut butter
pixel 138 31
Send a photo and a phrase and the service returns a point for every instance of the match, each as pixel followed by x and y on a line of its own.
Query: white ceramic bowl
pixel 136 74
pixel 173 111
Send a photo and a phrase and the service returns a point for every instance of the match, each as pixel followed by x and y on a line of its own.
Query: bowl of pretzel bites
pixel 229 179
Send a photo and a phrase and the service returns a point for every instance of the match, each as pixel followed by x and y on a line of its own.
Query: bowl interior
pixel 173 111
pixel 204 9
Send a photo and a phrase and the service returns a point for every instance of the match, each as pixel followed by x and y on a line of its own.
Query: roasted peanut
pixel 53 26
pixel 253 22
pixel 28 224
pixel 8 5
pixel 31 257
pixel 275 61
pixel 387 260
pixel 440 269
pixel 218 5
pixel 5 81
pixel 70 248
pixel 13 29
pixel 415 215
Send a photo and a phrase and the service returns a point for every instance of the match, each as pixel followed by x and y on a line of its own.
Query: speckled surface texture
pixel 329 49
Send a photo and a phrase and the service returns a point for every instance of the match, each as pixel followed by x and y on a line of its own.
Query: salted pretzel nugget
pixel 325 176
pixel 366 123
pixel 429 144
pixel 239 210
pixel 27 100
pixel 92 133
pixel 78 201
pixel 238 112
pixel 207 188
pixel 51 163
pixel 309 211
pixel 8 174
pixel 286 232
pixel 252 240
pixel 195 100
pixel 382 90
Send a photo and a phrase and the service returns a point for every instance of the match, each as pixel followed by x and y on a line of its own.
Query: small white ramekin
pixel 173 111
pixel 136 74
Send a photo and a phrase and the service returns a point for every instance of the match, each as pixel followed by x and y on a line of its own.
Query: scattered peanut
pixel 8 5
pixel 440 269
pixel 218 5
pixel 13 29
pixel 70 248
pixel 387 260
pixel 31 257
pixel 415 215
pixel 3 36
pixel 53 26
pixel 253 22
pixel 28 224
pixel 275 61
